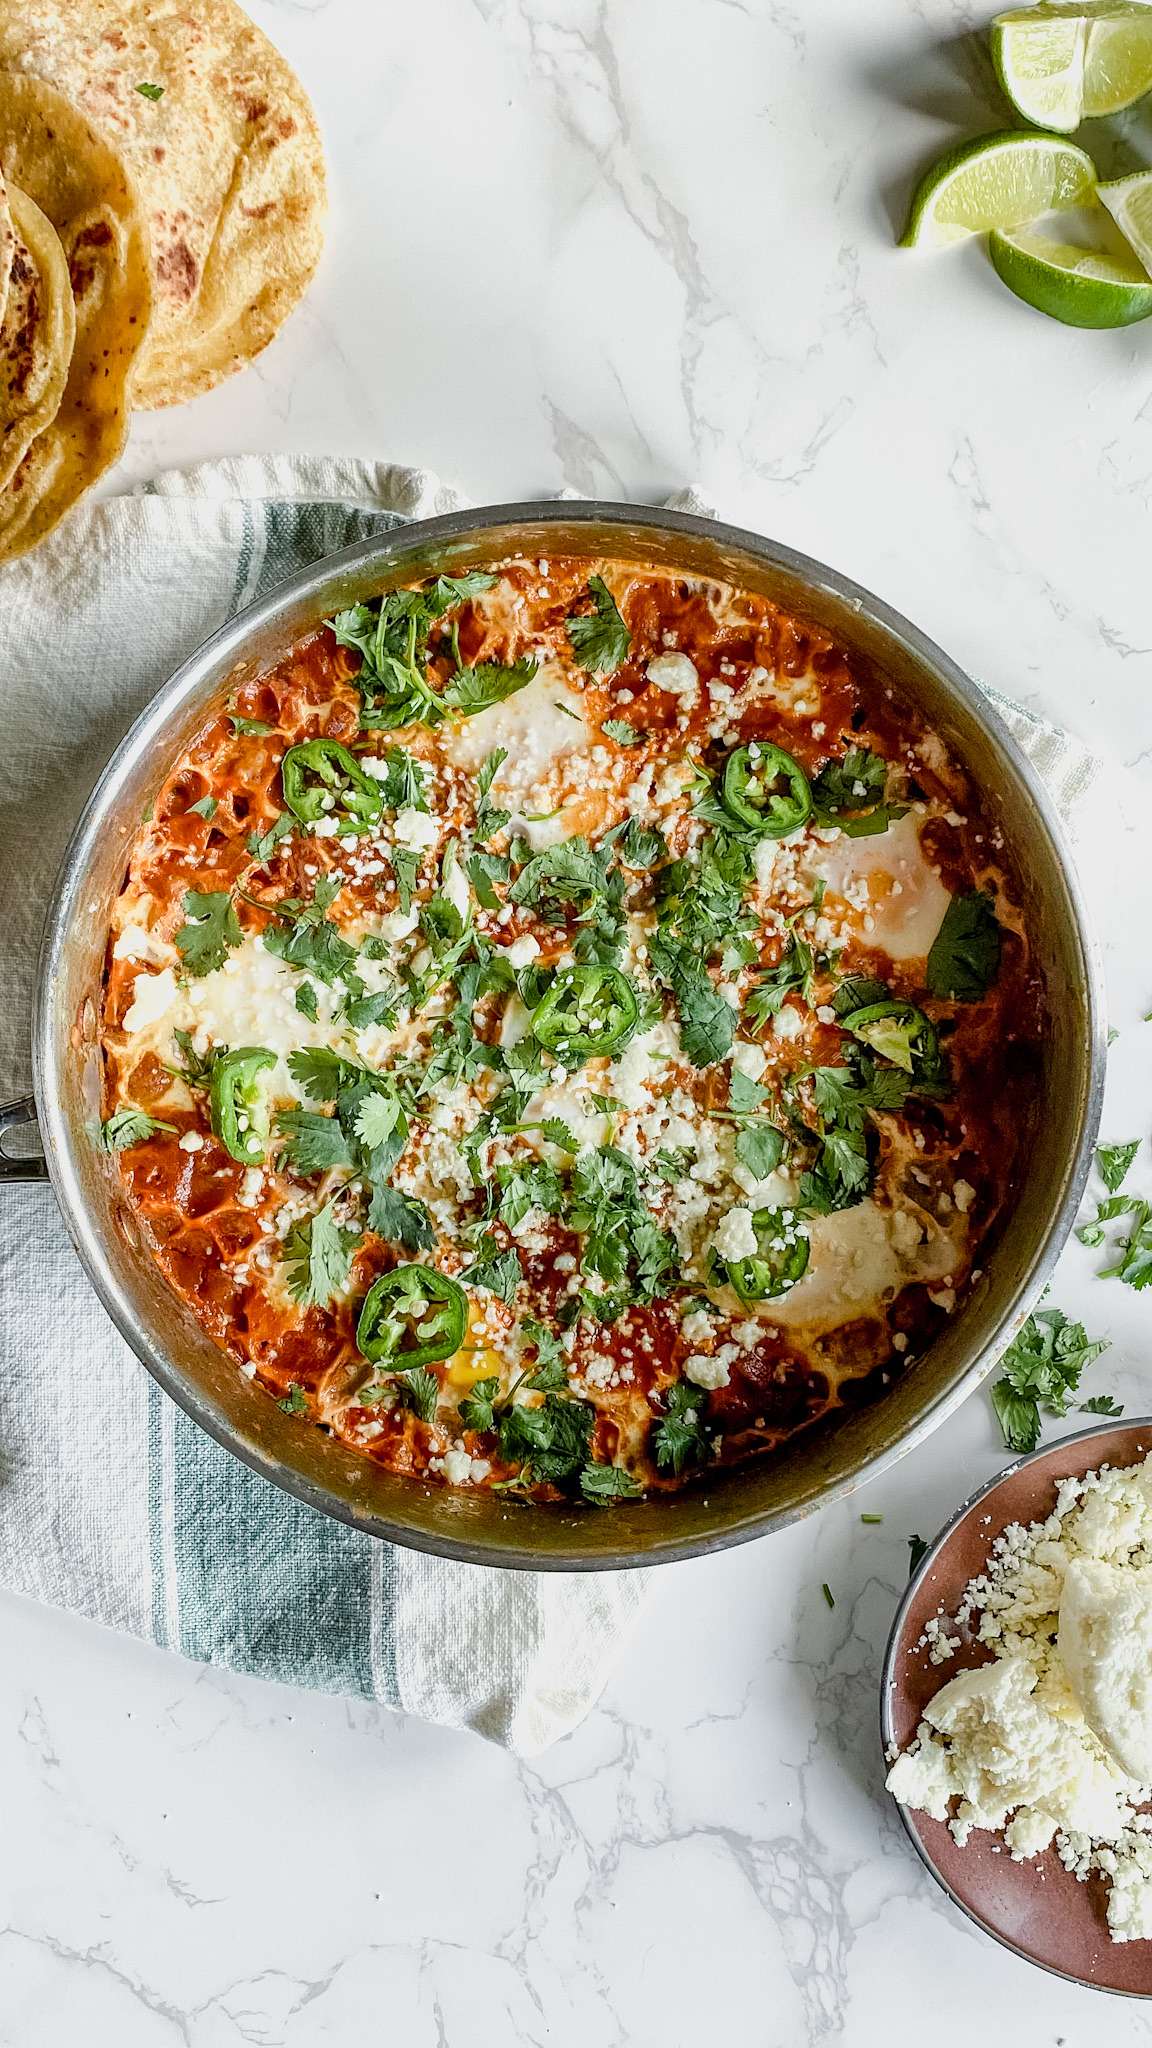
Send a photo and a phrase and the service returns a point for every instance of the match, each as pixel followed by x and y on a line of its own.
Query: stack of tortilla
pixel 162 202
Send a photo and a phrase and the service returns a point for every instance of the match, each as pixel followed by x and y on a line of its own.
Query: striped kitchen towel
pixel 113 1504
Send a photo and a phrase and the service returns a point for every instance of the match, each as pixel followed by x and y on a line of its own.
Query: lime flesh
pixel 1066 63
pixel 1129 201
pixel 1081 287
pixel 997 181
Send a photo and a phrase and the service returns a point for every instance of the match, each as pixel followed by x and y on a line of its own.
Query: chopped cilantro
pixel 211 930
pixel 474 689
pixel 400 1219
pixel 498 1271
pixel 964 957
pixel 196 1072
pixel 255 728
pixel 917 1550
pixel 625 735
pixel 127 1127
pixel 827 1592
pixel 1043 1365
pixel 850 794
pixel 261 845
pixel 295 1401
pixel 1114 1162
pixel 306 1000
pixel 206 808
pixel 314 1143
pixel 679 1437
pixel 318 1254
pixel 609 1482
pixel 151 92
pixel 600 639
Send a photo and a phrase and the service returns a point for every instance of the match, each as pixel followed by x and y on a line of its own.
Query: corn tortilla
pixel 37 332
pixel 228 160
pixel 53 154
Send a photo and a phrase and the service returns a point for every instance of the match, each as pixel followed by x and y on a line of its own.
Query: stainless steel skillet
pixel 727 1508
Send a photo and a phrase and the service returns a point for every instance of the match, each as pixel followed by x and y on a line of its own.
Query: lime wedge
pixel 996 181
pixel 1081 287
pixel 1061 64
pixel 1129 201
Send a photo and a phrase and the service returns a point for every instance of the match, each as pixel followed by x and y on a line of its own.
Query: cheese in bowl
pixel 566 1028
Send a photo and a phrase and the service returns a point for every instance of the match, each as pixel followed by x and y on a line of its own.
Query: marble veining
pixel 618 246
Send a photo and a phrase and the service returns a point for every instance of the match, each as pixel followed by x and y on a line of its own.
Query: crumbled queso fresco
pixel 1052 1740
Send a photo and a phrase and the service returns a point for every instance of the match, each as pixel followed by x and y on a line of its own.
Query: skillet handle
pixel 19 1165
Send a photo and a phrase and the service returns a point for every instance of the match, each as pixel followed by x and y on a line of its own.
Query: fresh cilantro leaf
pixel 254 727
pixel 127 1127
pixel 489 818
pixel 403 786
pixel 759 1148
pixel 1114 1162
pixel 707 1020
pixel 671 1166
pixel 551 1371
pixel 311 941
pixel 377 1118
pixel 791 975
pixel 499 1271
pixel 151 92
pixel 418 1389
pixel 321 1073
pixel 529 1187
pixel 679 1438
pixel 197 1072
pixel 313 1143
pixel 1134 1267
pixel 1100 1404
pixel 490 682
pixel 964 957
pixel 745 1096
pixel 295 1401
pixel 609 1482
pixel 483 870
pixel 318 1254
pixel 552 1438
pixel 599 639
pixel 448 591
pixel 306 1000
pixel 917 1550
pixel 261 845
pixel 210 932
pixel 625 735
pixel 400 1219
pixel 641 849
pixel 556 1132
pixel 1042 1366
pixel 850 794
pixel 478 1408
pixel 206 808
pixel 379 1008
pixel 405 867
pixel 1018 1416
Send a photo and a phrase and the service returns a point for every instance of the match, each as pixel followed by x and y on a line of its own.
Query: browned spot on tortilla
pixel 286 126
pixel 158 152
pixel 253 110
pixel 22 349
pixel 259 212
pixel 178 270
pixel 97 236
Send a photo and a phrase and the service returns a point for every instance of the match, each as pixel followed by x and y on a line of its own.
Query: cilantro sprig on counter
pixel 1042 1369
pixel 1133 1265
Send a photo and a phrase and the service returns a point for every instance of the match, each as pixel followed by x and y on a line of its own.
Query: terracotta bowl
pixel 1037 1908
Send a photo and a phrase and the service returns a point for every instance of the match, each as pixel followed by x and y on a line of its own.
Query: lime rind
pixel 1129 201
pixel 1080 287
pixel 1067 63
pixel 1003 180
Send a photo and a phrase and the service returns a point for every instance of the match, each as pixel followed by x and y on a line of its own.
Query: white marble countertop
pixel 624 245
